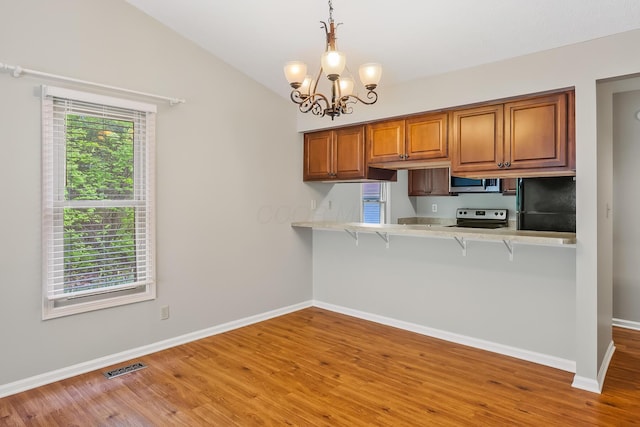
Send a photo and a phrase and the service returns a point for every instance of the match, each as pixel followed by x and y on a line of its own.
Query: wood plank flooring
pixel 318 368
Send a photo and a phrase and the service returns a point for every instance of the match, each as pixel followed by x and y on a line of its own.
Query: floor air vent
pixel 124 370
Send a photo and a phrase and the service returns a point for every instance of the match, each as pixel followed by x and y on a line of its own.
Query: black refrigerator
pixel 546 204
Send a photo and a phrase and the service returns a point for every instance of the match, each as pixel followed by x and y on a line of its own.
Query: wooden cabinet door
pixel 440 181
pixel 429 182
pixel 385 141
pixel 509 186
pixel 477 139
pixel 427 137
pixel 318 156
pixel 419 183
pixel 536 133
pixel 349 153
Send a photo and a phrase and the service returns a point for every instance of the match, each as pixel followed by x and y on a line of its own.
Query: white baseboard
pixel 628 324
pixel 602 372
pixel 102 362
pixel 530 356
pixel 596 385
pixel 587 384
pixel 542 359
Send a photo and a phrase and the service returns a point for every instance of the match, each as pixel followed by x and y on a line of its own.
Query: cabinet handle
pixel 500 165
pixel 507 164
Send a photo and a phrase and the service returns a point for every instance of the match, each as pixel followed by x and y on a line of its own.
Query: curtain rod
pixel 17 71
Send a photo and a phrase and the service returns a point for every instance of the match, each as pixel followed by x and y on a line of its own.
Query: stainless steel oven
pixel 481 218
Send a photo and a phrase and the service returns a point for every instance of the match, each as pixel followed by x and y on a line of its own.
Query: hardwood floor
pixel 318 368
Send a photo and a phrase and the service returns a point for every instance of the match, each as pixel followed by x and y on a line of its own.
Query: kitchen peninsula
pixel 439 230
pixel 507 291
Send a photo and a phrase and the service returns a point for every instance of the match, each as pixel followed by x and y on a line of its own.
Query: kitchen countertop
pixel 434 227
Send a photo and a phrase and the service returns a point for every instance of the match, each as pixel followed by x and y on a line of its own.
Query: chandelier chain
pixel 330 12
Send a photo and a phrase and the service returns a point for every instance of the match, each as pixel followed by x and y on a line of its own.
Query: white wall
pixel 580 66
pixel 527 303
pixel 626 204
pixel 229 182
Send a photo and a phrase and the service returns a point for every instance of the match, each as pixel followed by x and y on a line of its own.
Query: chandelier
pixel 332 63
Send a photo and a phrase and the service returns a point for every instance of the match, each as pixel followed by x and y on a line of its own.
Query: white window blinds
pixel 374 202
pixel 98 219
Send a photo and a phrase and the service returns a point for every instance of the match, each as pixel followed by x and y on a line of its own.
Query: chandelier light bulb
pixel 346 86
pixel 370 75
pixel 305 88
pixel 333 63
pixel 295 72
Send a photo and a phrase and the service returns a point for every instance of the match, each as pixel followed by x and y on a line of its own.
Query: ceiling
pixel 410 38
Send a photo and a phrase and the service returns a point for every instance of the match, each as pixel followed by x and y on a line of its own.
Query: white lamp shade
pixel 306 85
pixel 346 86
pixel 295 71
pixel 333 62
pixel 370 74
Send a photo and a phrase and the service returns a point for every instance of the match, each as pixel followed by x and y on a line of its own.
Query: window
pixel 98 176
pixel 374 202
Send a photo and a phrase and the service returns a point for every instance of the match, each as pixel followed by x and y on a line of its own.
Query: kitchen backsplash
pixel 447 205
pixel 341 202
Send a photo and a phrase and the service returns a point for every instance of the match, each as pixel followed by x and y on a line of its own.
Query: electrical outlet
pixel 313 204
pixel 164 312
pixel 330 204
pixel 434 207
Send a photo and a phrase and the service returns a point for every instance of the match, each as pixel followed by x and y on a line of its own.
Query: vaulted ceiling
pixel 410 38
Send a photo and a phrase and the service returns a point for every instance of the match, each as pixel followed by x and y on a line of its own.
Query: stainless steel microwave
pixel 470 185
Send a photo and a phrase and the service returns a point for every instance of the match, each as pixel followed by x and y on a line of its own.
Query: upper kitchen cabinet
pixel 477 139
pixel 339 155
pixel 427 137
pixel 386 141
pixel 526 137
pixel 428 182
pixel 408 143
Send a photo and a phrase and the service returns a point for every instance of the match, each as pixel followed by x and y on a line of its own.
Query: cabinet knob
pixel 500 165
pixel 507 164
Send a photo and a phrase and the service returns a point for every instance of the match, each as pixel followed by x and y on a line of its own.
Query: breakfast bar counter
pixel 508 235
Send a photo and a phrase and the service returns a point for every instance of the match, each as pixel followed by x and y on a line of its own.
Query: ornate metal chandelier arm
pixel 299 98
pixel 315 108
pixel 318 97
pixel 315 83
pixel 327 35
pixel 316 103
pixel 371 95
